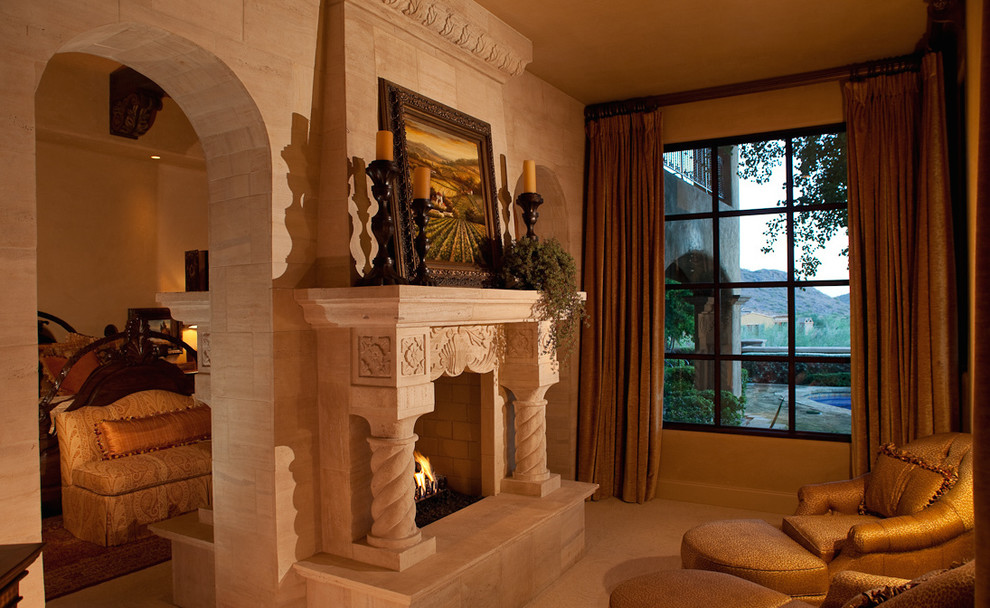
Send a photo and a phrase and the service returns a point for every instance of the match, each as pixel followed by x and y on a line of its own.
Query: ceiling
pixel 606 50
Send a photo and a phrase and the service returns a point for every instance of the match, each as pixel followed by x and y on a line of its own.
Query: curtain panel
pixel 981 328
pixel 621 390
pixel 901 262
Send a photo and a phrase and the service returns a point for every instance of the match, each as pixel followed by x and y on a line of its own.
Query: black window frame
pixel 717 357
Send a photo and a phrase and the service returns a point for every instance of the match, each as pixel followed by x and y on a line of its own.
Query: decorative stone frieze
pixel 499 46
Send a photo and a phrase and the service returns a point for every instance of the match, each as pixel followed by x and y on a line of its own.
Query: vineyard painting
pixel 463 221
pixel 457 225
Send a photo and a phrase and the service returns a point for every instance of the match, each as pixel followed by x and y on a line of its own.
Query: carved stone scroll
pixel 471 347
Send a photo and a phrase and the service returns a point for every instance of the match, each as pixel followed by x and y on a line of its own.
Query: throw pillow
pixel 127 436
pixel 77 373
pixel 903 484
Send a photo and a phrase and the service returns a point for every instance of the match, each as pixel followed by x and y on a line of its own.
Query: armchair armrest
pixel 834 496
pixel 929 527
pixel 849 583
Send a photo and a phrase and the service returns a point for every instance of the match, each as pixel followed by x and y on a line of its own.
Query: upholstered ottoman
pixel 695 589
pixel 754 550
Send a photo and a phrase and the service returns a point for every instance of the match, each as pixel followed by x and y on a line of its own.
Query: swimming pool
pixel 843 400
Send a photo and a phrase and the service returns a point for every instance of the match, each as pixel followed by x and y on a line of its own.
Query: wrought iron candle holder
pixel 383 174
pixel 530 201
pixel 420 206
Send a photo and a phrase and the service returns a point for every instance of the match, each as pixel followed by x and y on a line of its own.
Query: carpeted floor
pixel 72 564
pixel 622 541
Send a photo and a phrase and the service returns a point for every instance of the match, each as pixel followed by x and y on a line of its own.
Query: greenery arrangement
pixel 683 402
pixel 545 266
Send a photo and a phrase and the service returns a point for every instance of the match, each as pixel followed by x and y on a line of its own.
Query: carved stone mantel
pixel 415 306
pixel 401 338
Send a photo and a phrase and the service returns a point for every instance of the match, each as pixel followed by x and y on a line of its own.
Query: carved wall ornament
pixel 520 343
pixel 135 101
pixel 460 30
pixel 374 356
pixel 413 356
pixel 476 348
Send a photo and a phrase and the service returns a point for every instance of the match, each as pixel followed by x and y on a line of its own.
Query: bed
pixel 133 443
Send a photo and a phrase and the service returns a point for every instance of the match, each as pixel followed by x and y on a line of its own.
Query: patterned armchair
pixel 141 459
pixel 911 514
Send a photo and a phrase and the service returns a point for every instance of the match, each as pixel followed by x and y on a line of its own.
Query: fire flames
pixel 426 482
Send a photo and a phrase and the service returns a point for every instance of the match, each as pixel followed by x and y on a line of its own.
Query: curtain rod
pixel 856 71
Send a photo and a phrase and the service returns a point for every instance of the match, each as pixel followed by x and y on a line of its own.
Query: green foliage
pixel 819 178
pixel 678 317
pixel 545 266
pixel 806 374
pixel 683 402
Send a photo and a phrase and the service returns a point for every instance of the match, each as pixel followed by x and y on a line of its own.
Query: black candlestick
pixel 422 243
pixel 383 174
pixel 529 201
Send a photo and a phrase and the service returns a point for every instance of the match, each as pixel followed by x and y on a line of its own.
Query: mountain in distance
pixel 773 301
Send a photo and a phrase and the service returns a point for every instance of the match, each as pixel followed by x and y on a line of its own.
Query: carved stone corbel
pixel 134 103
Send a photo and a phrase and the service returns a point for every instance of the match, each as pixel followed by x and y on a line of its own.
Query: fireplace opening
pixel 434 499
pixel 448 463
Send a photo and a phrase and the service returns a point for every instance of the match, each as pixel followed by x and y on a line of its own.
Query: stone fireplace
pixel 381 351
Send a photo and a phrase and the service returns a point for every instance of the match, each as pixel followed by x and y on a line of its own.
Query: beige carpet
pixel 622 540
pixel 625 540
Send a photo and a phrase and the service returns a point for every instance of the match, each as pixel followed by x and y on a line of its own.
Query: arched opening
pixel 237 159
pixel 115 214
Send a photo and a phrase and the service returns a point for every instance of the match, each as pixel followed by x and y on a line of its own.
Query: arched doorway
pixel 238 161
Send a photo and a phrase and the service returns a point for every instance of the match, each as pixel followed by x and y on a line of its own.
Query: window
pixel 757 296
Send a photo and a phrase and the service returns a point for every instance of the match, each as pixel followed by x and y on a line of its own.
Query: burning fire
pixel 426 481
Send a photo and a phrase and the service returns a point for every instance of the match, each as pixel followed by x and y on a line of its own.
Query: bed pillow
pixel 127 436
pixel 77 373
pixel 64 350
pixel 903 484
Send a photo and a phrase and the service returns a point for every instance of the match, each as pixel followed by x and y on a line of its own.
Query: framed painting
pixel 463 224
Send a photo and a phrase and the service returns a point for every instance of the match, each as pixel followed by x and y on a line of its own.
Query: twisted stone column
pixel 531 440
pixel 393 505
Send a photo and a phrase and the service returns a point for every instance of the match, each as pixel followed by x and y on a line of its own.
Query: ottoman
pixel 754 550
pixel 696 589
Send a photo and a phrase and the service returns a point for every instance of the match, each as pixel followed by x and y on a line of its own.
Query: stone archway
pixel 239 171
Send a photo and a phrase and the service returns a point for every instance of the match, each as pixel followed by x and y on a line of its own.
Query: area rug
pixel 72 564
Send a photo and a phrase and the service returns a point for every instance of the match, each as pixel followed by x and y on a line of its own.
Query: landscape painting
pixel 463 224
pixel 457 225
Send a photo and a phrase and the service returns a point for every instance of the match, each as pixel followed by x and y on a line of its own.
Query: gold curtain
pixel 621 398
pixel 901 261
pixel 981 330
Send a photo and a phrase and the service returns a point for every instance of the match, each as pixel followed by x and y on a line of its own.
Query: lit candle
pixel 383 145
pixel 529 176
pixel 421 182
